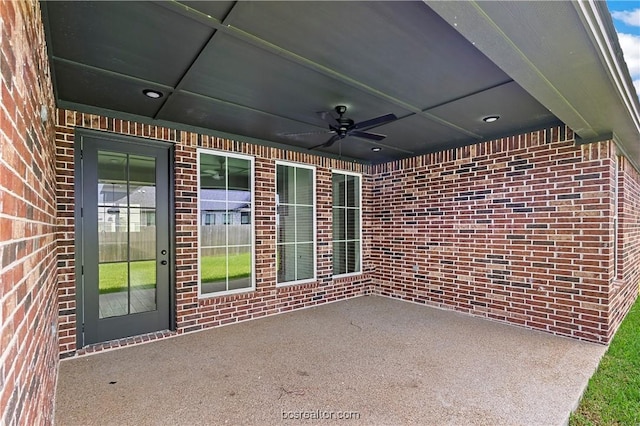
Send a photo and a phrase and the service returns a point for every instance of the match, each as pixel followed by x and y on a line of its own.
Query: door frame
pixel 79 135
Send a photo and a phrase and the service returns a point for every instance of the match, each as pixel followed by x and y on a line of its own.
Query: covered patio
pixel 440 204
pixel 367 360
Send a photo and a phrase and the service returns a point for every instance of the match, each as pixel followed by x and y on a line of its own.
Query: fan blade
pixel 302 136
pixel 317 132
pixel 326 144
pixel 367 135
pixel 331 141
pixel 375 121
pixel 328 118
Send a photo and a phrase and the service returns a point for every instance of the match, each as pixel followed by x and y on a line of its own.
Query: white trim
pixel 346 172
pixel 596 26
pixel 313 215
pixel 359 176
pixel 294 164
pixel 200 151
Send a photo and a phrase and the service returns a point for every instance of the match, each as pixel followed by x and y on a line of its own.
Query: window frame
pixel 314 216
pixel 359 176
pixel 252 174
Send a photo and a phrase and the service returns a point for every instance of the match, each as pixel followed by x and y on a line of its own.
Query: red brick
pixel 28 191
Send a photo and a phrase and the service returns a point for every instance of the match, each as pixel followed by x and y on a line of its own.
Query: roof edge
pixel 597 20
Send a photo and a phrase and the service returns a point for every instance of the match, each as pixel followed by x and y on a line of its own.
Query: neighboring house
pixel 507 186
pixel 231 207
pixel 110 215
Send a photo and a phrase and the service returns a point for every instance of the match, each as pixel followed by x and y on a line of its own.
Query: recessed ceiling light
pixel 376 149
pixel 491 118
pixel 153 94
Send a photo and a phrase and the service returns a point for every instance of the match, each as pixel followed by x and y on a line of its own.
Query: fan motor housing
pixel 345 122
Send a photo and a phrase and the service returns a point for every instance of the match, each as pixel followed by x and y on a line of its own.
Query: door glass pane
pixel 126 234
pixel 142 234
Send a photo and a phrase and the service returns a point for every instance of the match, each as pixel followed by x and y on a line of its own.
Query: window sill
pixel 296 283
pixel 349 275
pixel 207 296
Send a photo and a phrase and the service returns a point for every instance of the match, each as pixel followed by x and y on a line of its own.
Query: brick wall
pixel 28 342
pixel 518 230
pixel 193 313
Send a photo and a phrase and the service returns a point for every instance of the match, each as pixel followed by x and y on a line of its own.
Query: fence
pixel 113 245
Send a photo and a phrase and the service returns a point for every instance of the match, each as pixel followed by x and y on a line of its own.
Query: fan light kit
pixel 491 118
pixel 153 94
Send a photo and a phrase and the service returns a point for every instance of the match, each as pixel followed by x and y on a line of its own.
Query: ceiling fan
pixel 216 173
pixel 340 127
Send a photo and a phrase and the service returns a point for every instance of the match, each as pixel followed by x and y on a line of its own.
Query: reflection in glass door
pixel 126 234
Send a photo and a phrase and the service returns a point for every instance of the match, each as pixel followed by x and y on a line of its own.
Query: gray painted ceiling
pixel 262 70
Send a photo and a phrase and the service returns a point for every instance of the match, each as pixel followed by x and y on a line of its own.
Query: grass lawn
pixel 212 267
pixel 613 394
pixel 113 276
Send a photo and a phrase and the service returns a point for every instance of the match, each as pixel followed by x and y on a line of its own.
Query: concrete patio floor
pixel 382 361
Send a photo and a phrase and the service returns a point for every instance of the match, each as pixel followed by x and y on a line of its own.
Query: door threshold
pixel 124 342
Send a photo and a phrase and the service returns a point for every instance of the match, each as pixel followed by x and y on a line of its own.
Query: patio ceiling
pixel 260 71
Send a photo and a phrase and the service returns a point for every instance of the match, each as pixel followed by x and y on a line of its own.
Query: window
pixel 295 241
pixel 347 242
pixel 225 190
pixel 245 218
